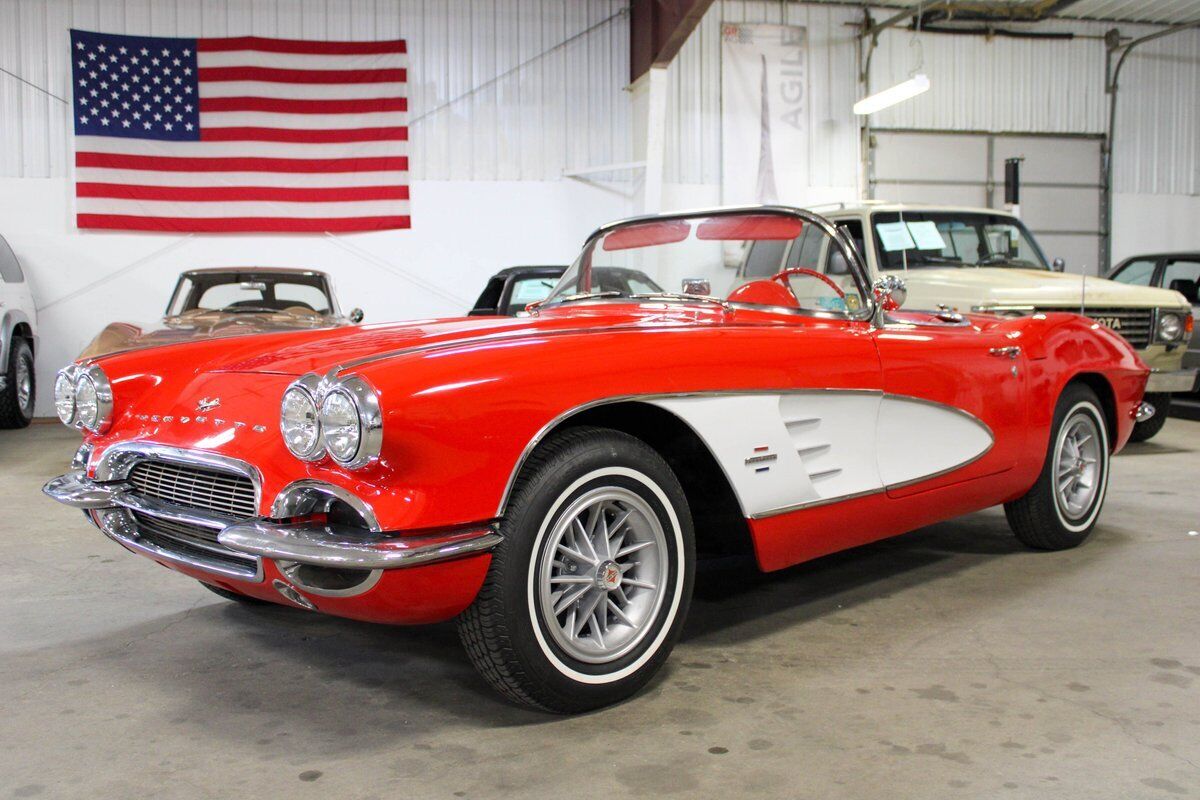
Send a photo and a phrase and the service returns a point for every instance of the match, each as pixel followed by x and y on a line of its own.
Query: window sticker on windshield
pixel 926 235
pixel 894 236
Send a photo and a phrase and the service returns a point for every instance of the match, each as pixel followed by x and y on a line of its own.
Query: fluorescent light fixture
pixel 910 88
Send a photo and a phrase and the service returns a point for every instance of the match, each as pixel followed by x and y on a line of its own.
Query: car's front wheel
pixel 1062 507
pixel 587 593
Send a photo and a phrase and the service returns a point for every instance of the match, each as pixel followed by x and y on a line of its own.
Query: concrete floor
pixel 946 663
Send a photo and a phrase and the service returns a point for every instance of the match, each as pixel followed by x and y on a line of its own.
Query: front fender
pixel 1066 347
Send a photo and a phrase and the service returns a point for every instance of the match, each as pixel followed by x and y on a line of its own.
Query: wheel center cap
pixel 608 575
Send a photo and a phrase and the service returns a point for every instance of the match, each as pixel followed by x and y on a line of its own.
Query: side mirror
pixel 356 316
pixel 699 286
pixel 890 292
pixel 1058 265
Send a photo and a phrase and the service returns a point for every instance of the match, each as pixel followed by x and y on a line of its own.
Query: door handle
pixel 1011 352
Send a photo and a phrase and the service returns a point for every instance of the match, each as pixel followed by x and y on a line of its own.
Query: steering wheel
pixel 783 275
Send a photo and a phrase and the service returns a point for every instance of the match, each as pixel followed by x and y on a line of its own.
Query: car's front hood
pixel 345 347
pixel 1031 287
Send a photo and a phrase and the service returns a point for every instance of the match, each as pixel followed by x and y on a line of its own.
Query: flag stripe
pixel 240 164
pixel 251 134
pixel 282 180
pixel 319 76
pixel 291 61
pixel 284 106
pixel 130 222
pixel 225 44
pixel 303 91
pixel 121 146
pixel 248 208
pixel 214 194
pixel 271 119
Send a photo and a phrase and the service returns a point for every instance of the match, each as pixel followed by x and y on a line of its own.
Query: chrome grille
pixel 194 542
pixel 195 487
pixel 1135 324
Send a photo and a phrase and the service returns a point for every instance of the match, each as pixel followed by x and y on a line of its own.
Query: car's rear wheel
pixel 1062 507
pixel 587 593
pixel 1143 431
pixel 18 395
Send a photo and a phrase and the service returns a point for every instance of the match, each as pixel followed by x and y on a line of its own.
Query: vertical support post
pixel 656 140
pixel 990 189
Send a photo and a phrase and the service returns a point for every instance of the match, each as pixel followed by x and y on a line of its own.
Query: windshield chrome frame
pixel 854 260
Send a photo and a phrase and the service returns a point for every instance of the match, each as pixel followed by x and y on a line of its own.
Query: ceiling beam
pixel 658 29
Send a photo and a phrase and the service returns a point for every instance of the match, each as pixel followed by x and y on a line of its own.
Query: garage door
pixel 1061 184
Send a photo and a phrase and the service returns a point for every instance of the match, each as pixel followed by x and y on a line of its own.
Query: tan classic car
pixel 232 301
pixel 984 260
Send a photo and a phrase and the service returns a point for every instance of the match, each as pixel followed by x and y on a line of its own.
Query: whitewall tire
pixel 587 593
pixel 1061 509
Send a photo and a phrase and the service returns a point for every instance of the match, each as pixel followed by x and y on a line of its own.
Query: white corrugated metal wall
pixel 1158 118
pixel 996 84
pixel 562 110
pixel 1057 86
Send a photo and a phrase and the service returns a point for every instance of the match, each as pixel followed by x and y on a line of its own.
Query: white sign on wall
pixel 764 113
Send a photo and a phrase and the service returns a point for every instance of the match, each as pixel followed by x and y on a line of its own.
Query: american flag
pixel 239 134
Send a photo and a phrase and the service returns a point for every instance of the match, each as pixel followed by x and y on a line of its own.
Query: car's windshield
pixel 634 259
pixel 251 292
pixel 923 239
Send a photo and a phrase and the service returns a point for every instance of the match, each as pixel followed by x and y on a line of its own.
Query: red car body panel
pixel 465 399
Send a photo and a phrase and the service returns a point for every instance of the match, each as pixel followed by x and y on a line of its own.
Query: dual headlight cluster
pixel 335 417
pixel 1173 326
pixel 83 397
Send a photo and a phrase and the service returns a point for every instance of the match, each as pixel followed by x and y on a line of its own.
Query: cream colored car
pixel 983 260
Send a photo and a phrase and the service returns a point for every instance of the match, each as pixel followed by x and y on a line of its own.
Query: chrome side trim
pixel 116 462
pixel 774 512
pixel 305 497
pixel 74 489
pixel 118 525
pixel 352 548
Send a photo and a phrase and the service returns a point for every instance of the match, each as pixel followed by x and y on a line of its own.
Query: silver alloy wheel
pixel 1077 466
pixel 24 386
pixel 602 574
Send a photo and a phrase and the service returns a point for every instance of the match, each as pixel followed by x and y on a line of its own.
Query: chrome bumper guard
pixel 1182 380
pixel 304 543
pixel 76 490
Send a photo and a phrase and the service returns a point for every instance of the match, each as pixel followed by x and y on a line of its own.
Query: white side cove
pixel 786 451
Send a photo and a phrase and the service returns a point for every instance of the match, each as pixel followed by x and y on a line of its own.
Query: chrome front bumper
pixel 352 548
pixel 315 544
pixel 1181 380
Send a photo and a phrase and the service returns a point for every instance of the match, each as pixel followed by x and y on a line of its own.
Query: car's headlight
pixel 340 418
pixel 1170 326
pixel 299 423
pixel 343 430
pixel 64 395
pixel 93 399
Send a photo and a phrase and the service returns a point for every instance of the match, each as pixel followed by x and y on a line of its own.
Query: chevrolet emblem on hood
pixel 207 404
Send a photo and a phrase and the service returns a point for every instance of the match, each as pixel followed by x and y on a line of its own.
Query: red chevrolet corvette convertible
pixel 551 480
